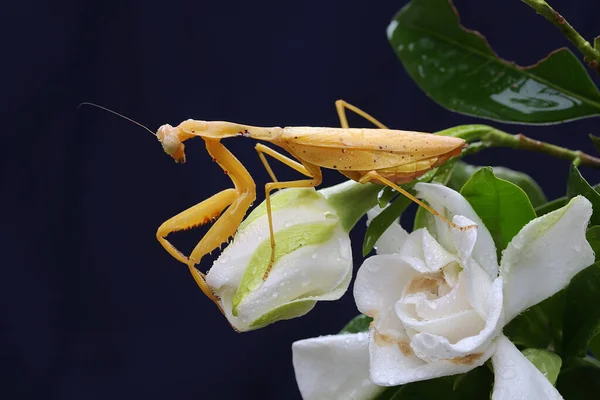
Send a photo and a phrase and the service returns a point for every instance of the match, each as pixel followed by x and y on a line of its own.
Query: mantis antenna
pixel 85 103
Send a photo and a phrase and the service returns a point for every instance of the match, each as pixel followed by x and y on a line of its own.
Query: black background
pixel 92 307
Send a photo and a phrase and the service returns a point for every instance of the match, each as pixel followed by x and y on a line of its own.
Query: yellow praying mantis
pixel 384 156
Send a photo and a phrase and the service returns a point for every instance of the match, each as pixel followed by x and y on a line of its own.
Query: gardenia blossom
pixel 313 261
pixel 439 301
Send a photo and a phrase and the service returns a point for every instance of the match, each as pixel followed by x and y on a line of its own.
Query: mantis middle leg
pixel 309 170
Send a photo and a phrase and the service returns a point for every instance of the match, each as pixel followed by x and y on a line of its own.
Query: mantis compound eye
pixel 171 143
pixel 168 137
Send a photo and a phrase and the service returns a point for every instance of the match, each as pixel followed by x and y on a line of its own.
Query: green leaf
pixel 595 346
pixel 386 195
pixel 530 187
pixel 547 362
pixel 476 384
pixel 388 393
pixel 503 207
pixel 423 218
pixel 597 43
pixel 462 173
pixel 596 141
pixel 458 69
pixel 360 323
pixel 577 185
pixel 380 223
pixel 550 206
pixel 593 237
pixel 555 204
pixel 539 326
pixel 582 319
pixel 580 382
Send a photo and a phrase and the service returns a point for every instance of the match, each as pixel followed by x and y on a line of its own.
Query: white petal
pixel 545 255
pixel 464 241
pixel 433 347
pixel 516 378
pixel 394 363
pixel 424 253
pixel 392 239
pixel 428 307
pixel 453 327
pixel 479 287
pixel 377 288
pixel 447 201
pixel 334 367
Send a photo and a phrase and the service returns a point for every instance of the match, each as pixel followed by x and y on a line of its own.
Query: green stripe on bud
pixel 287 311
pixel 286 241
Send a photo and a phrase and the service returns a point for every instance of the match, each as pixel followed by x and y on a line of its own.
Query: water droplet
pixel 314 256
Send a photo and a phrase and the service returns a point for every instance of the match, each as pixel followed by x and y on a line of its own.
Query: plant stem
pixel 484 136
pixel 521 141
pixel 591 55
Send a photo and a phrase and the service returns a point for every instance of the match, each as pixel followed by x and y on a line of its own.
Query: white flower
pixel 439 300
pixel 313 261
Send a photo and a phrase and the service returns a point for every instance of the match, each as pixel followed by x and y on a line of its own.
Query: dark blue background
pixel 92 307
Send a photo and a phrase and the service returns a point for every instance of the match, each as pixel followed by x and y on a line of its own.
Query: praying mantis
pixel 384 156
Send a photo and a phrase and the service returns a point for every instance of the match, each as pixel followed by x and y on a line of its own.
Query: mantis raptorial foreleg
pixel 194 216
pixel 237 201
pixel 311 171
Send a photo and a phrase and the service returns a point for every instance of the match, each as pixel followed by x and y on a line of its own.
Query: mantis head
pixel 170 138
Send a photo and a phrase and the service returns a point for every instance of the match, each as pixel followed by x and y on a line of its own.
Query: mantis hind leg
pixel 374 176
pixel 341 107
pixel 309 170
pixel 237 201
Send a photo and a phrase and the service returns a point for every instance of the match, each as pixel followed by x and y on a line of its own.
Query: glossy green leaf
pixel 579 382
pixel 596 141
pixel 539 326
pixel 597 43
pixel 547 362
pixel 360 323
pixel 577 185
pixel 503 207
pixel 582 316
pixel 462 172
pixel 458 69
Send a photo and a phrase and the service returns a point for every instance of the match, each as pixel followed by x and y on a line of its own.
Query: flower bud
pixel 312 261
